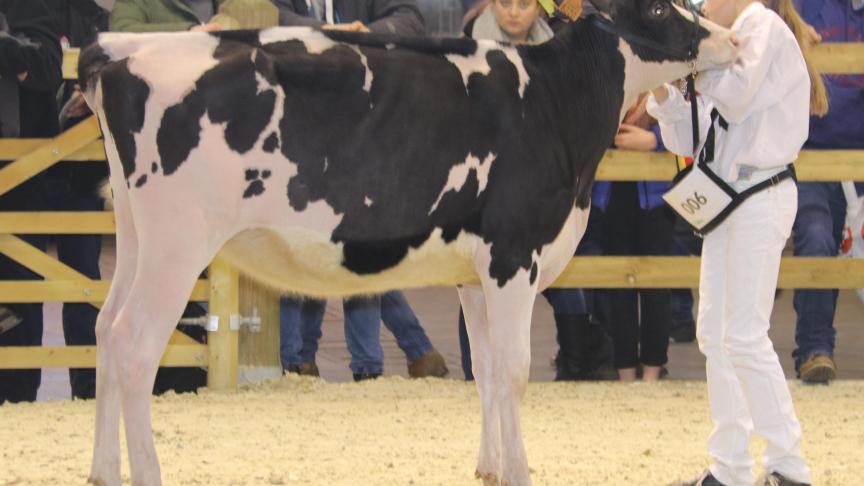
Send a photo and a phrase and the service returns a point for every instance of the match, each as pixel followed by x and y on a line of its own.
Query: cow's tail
pixel 93 59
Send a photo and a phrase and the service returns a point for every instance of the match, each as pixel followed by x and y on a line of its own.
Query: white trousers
pixel 747 389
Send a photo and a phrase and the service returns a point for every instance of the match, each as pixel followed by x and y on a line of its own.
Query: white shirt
pixel 764 95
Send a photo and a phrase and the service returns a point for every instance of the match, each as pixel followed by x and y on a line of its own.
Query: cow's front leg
pixel 474 308
pixel 508 309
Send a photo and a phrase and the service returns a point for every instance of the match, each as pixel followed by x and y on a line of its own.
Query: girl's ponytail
pixel 786 11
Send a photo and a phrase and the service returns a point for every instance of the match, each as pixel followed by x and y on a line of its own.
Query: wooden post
pixel 259 351
pixel 222 344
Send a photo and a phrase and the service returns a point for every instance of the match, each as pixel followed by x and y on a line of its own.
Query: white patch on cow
pixel 514 57
pixel 640 76
pixel 326 164
pixel 278 110
pixel 263 84
pixel 475 63
pixel 367 82
pixel 367 201
pixel 459 174
pixel 390 46
pixel 314 40
pixel 147 54
pixel 282 34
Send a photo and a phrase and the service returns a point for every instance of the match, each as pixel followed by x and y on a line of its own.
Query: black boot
pixel 568 362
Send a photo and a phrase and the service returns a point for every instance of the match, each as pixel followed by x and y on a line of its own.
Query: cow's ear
pixel 605 7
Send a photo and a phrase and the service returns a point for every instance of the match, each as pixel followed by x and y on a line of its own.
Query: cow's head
pixel 663 41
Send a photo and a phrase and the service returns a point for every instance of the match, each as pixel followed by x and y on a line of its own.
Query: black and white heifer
pixel 334 164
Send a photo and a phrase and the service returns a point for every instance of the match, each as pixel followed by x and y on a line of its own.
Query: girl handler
pixel 763 100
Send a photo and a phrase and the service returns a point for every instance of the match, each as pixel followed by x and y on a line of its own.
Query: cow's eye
pixel 659 10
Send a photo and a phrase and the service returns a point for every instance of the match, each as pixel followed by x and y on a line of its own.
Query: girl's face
pixel 721 12
pixel 516 17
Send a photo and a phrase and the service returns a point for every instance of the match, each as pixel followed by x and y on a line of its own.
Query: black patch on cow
pixel 365 257
pixel 236 39
pixel 428 45
pixel 397 143
pixel 228 94
pixel 154 167
pixel 265 174
pixel 533 276
pixel 673 29
pixel 124 96
pixel 271 143
pixel 256 188
pixel 141 180
pixel 251 174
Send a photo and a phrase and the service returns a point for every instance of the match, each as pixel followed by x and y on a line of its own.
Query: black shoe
pixel 706 479
pixel 584 348
pixel 683 332
pixel 291 369
pixel 365 376
pixel 777 479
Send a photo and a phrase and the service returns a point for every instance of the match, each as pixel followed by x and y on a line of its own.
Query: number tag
pixel 697 198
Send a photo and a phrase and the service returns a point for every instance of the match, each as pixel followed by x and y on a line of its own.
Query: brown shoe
pixel 818 369
pixel 430 364
pixel 309 369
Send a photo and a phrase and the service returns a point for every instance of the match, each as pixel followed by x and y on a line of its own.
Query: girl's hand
pixel 631 137
pixel 660 94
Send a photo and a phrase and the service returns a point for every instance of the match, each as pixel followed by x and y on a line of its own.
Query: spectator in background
pixel 637 223
pixel 30 75
pixel 400 17
pixel 164 15
pixel 301 319
pixel 72 186
pixel 514 21
pixel 821 205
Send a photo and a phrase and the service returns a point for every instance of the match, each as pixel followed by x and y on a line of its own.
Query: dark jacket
pixel 152 16
pixel 30 45
pixel 843 126
pixel 400 17
pixel 79 20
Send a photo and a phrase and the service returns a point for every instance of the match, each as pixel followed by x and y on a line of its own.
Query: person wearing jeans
pixel 821 205
pixel 300 325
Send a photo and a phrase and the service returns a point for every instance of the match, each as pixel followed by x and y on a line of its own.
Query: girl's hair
pixel 787 12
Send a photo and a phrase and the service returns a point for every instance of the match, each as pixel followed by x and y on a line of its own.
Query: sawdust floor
pixel 425 432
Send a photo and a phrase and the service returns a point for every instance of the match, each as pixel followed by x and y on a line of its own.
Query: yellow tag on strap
pixel 548 6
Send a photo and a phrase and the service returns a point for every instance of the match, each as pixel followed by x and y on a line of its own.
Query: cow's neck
pixel 584 72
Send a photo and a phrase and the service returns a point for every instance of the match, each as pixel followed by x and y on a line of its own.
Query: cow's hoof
pixel 489 479
pixel 97 481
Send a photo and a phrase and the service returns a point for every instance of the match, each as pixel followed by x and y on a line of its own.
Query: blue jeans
pixel 817 231
pixel 300 326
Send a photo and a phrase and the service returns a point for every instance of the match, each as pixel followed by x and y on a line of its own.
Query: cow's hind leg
pixel 474 307
pixel 105 469
pixel 160 290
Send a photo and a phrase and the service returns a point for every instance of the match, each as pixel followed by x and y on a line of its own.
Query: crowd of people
pixel 602 334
